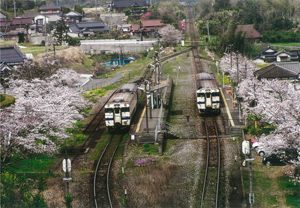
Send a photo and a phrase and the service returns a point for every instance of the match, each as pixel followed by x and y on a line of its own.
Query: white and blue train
pixel 121 107
pixel 208 94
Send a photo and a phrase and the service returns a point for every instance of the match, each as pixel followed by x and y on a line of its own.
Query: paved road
pixel 99 83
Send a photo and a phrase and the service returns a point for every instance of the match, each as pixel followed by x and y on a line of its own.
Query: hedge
pixel 6 100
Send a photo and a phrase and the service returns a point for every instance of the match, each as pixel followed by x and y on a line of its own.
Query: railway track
pixel 94 130
pixel 210 191
pixel 101 176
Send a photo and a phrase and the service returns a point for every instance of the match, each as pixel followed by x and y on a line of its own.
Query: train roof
pixel 204 76
pixel 207 90
pixel 125 94
pixel 130 87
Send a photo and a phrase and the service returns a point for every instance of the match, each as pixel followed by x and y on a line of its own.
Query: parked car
pixel 261 150
pixel 273 159
pixel 256 144
pixel 282 157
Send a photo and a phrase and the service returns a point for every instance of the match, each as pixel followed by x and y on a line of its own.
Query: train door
pixel 118 115
pixel 208 103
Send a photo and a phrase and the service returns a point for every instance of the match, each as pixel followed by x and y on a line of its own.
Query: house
pixel 150 27
pixel 11 56
pixel 85 29
pixel 41 20
pixel 2 17
pixel 124 27
pixel 249 32
pixel 283 56
pixel 73 17
pixel 135 29
pixel 120 5
pixel 270 55
pixel 5 26
pixel 279 70
pixel 50 10
pixel 20 22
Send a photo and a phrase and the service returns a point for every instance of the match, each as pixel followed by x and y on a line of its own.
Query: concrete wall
pixel 96 46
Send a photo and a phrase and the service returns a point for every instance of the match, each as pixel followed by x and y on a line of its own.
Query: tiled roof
pixel 135 27
pixel 151 23
pixel 17 21
pixel 73 14
pixel 82 25
pixel 248 31
pixel 88 26
pixel 50 8
pixel 279 52
pixel 129 3
pixel 4 23
pixel 11 55
pixel 279 70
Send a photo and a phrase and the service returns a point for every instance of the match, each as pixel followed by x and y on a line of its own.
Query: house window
pixel 284 58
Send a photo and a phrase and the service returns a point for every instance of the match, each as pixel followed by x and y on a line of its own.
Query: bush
pixel 73 41
pixel 6 100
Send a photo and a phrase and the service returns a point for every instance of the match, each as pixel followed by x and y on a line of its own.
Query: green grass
pixel 37 163
pixel 100 146
pixel 270 188
pixel 35 50
pixel 286 44
pixel 293 197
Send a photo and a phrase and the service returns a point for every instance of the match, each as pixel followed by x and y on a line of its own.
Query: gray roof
pixel 279 52
pixel 289 66
pixel 11 55
pixel 129 3
pixel 279 70
pixel 88 26
pixel 50 7
pixel 73 14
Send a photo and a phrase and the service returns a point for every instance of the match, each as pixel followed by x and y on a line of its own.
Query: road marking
pixel 141 118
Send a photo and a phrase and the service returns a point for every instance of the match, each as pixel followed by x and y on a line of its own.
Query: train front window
pixel 109 110
pixel 200 95
pixel 208 95
pixel 215 94
pixel 126 109
pixel 117 110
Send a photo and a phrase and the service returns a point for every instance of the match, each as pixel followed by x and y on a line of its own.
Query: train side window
pixel 117 110
pixel 109 110
pixel 200 95
pixel 125 109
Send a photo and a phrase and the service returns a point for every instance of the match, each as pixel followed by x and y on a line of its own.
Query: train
pixel 121 107
pixel 208 94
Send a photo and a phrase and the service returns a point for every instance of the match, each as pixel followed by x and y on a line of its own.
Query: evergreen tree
pixel 61 31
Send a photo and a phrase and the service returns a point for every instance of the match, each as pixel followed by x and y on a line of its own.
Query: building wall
pixel 97 46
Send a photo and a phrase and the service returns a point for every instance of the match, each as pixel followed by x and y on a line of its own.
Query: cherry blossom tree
pixel 231 62
pixel 43 110
pixel 170 35
pixel 275 102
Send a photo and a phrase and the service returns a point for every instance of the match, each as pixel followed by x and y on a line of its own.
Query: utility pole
pixel 237 67
pixel 147 126
pixel 230 49
pixel 208 31
pixel 15 8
